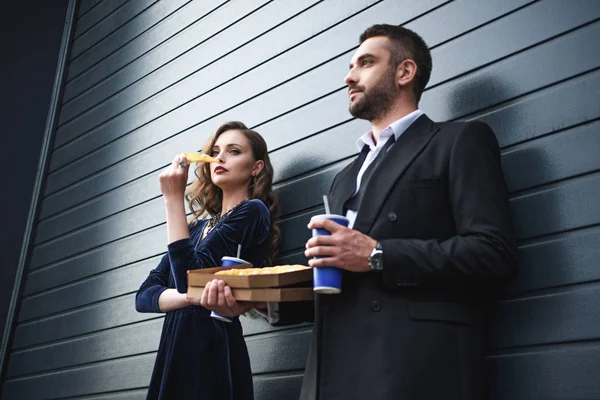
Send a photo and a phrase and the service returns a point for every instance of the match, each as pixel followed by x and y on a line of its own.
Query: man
pixel 430 232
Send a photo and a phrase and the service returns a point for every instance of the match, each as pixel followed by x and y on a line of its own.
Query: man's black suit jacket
pixel 439 206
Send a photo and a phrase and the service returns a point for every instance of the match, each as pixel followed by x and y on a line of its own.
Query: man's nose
pixel 350 79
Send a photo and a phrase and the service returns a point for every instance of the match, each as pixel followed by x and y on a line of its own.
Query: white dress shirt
pixel 397 128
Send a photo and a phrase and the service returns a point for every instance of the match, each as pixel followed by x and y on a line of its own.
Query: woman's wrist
pixel 174 200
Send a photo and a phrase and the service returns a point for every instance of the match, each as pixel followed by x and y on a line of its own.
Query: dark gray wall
pixel 148 79
pixel 30 37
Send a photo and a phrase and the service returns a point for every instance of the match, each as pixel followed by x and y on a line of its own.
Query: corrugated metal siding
pixel 149 79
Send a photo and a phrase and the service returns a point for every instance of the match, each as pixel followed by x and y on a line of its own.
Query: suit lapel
pixel 345 184
pixel 399 157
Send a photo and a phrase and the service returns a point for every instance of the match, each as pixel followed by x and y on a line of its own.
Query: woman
pixel 200 357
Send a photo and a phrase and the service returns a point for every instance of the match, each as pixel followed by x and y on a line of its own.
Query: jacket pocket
pixel 440 311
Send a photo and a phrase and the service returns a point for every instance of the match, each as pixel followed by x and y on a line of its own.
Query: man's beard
pixel 377 101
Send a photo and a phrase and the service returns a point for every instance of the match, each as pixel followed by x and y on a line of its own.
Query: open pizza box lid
pixel 200 277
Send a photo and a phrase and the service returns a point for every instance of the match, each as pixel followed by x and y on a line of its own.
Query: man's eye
pixel 365 62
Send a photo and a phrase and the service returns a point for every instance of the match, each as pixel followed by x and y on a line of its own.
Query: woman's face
pixel 237 161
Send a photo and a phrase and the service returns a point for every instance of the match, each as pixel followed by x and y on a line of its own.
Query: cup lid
pixel 234 259
pixel 329 216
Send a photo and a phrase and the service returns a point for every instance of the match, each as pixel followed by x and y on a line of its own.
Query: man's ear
pixel 258 167
pixel 406 72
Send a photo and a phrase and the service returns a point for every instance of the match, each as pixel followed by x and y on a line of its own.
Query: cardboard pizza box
pixel 200 277
pixel 265 294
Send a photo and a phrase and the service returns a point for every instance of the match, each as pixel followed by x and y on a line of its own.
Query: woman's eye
pixel 214 153
pixel 234 151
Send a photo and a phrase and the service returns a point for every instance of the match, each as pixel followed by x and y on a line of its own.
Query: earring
pixel 253 179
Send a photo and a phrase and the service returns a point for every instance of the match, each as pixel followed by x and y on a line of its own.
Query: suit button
pixel 392 217
pixel 375 306
pixel 399 283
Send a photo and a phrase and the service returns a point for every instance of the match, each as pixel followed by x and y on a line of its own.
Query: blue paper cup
pixel 328 280
pixel 227 262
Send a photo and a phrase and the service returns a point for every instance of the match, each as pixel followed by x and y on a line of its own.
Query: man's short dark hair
pixel 405 44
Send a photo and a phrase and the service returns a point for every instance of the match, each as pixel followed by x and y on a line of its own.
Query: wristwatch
pixel 376 258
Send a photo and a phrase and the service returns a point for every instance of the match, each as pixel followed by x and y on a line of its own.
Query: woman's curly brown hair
pixel 205 198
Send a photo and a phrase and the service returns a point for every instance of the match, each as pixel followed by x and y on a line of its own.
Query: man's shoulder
pixel 453 130
pixel 459 126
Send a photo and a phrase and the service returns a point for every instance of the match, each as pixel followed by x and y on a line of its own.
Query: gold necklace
pixel 215 219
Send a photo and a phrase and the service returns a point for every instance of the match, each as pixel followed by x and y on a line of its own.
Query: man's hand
pixel 217 297
pixel 345 248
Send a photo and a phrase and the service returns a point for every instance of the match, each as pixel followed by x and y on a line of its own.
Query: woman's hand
pixel 217 297
pixel 174 179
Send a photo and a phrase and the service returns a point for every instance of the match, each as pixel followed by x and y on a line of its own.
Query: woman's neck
pixel 232 199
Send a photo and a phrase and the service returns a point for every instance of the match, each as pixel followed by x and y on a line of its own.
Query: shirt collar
pixel 397 128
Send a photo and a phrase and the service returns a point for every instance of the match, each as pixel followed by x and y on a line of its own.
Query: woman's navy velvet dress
pixel 200 357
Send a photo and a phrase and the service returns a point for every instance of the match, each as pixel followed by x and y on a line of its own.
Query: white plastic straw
pixel 326 202
pixel 239 253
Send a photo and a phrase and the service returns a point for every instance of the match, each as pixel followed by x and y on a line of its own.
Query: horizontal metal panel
pixel 307 191
pixel 567 315
pixel 107 28
pixel 99 287
pixel 515 32
pixel 171 77
pixel 104 315
pixel 258 325
pixel 282 386
pixel 93 11
pixel 266 351
pixel 518 71
pixel 126 223
pixel 113 255
pixel 560 156
pixel 137 192
pixel 514 76
pixel 294 258
pixel 104 377
pixel 315 151
pixel 568 206
pixel 566 372
pixel 133 394
pixel 86 5
pixel 106 345
pixel 564 260
pixel 557 107
pixel 434 32
pixel 175 35
pixel 294 233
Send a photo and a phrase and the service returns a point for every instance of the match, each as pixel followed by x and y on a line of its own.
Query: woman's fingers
pixel 229 299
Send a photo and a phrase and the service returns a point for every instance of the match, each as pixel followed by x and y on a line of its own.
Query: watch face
pixel 376 260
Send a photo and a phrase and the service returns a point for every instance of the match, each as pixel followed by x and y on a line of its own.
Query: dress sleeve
pixel 146 298
pixel 247 225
